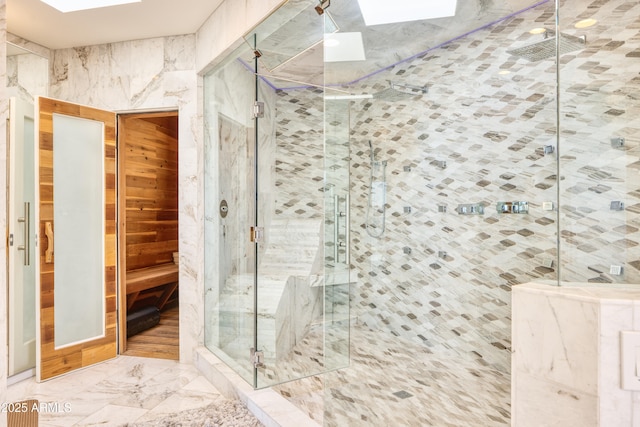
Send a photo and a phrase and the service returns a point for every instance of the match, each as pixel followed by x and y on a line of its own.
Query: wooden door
pixel 76 217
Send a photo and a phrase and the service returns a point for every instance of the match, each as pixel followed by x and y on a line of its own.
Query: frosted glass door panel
pixel 78 182
pixel 21 251
pixel 29 288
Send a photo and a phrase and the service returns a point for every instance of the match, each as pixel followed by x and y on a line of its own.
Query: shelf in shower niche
pixel 470 209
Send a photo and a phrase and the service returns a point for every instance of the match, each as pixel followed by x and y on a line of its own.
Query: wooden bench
pixel 146 278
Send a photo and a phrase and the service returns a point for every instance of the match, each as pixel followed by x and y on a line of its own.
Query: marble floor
pixel 132 391
pixel 393 382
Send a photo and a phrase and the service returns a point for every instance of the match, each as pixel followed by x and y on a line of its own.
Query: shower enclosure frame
pixel 246 219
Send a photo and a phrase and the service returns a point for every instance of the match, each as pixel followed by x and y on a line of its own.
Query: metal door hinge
pixel 257 234
pixel 258 110
pixel 257 358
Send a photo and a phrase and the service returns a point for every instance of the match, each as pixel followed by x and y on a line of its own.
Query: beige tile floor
pixel 121 391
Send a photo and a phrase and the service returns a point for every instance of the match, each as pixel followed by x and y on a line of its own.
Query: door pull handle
pixel 26 233
pixel 48 231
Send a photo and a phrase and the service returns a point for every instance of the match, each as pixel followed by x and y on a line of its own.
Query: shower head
pixel 546 48
pixel 399 92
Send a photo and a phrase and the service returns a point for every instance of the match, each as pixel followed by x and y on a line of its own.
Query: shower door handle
pixel 346 229
pixel 26 232
pixel 336 229
pixel 338 216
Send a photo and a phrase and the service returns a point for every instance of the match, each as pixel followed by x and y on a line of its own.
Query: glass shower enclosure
pixel 277 268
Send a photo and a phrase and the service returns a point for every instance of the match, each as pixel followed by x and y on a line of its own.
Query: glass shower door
pixel 230 193
pixel 303 202
pixel 276 207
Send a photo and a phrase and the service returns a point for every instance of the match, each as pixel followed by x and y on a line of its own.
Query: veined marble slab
pixel 566 354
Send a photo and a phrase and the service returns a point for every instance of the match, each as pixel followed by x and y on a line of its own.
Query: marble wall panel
pixel 27 76
pixel 581 382
pixel 150 75
pixel 236 18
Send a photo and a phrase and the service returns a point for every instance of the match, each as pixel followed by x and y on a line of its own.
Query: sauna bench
pixel 145 278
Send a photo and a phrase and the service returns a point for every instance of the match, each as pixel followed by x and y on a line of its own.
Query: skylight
pixel 76 5
pixel 376 12
pixel 341 47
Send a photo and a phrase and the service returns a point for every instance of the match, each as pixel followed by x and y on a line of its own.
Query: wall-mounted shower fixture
pixel 548 149
pixel 615 270
pixel 324 5
pixel 512 207
pixel 400 91
pixel 617 142
pixel 442 164
pixel 617 205
pixel 258 109
pixel 376 205
pixel 546 48
pixel 470 209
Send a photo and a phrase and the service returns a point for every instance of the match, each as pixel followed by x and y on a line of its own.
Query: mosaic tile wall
pixel 443 279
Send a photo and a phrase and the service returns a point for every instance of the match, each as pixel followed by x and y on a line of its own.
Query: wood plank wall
pixel 149 168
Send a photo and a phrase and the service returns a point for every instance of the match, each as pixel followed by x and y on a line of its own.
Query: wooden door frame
pixel 122 214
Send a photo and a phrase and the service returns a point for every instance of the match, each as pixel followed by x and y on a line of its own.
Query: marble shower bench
pixel 291 286
pixel 566 361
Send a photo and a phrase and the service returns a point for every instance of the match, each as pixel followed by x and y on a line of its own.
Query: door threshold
pixel 14 379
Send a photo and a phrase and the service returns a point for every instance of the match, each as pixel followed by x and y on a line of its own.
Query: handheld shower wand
pixel 376 204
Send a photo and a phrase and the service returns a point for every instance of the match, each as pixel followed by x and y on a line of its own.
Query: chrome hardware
pixel 26 232
pixel 341 225
pixel 442 254
pixel 615 270
pixel 407 250
pixel 617 205
pixel 258 110
pixel 407 209
pixel 257 358
pixel 224 209
pixel 442 164
pixel 617 142
pixel 513 207
pixel 324 4
pixel 442 208
pixel 470 209
pixel 257 234
pixel 548 149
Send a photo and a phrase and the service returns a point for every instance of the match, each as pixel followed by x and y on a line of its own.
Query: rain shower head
pixel 399 92
pixel 546 48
